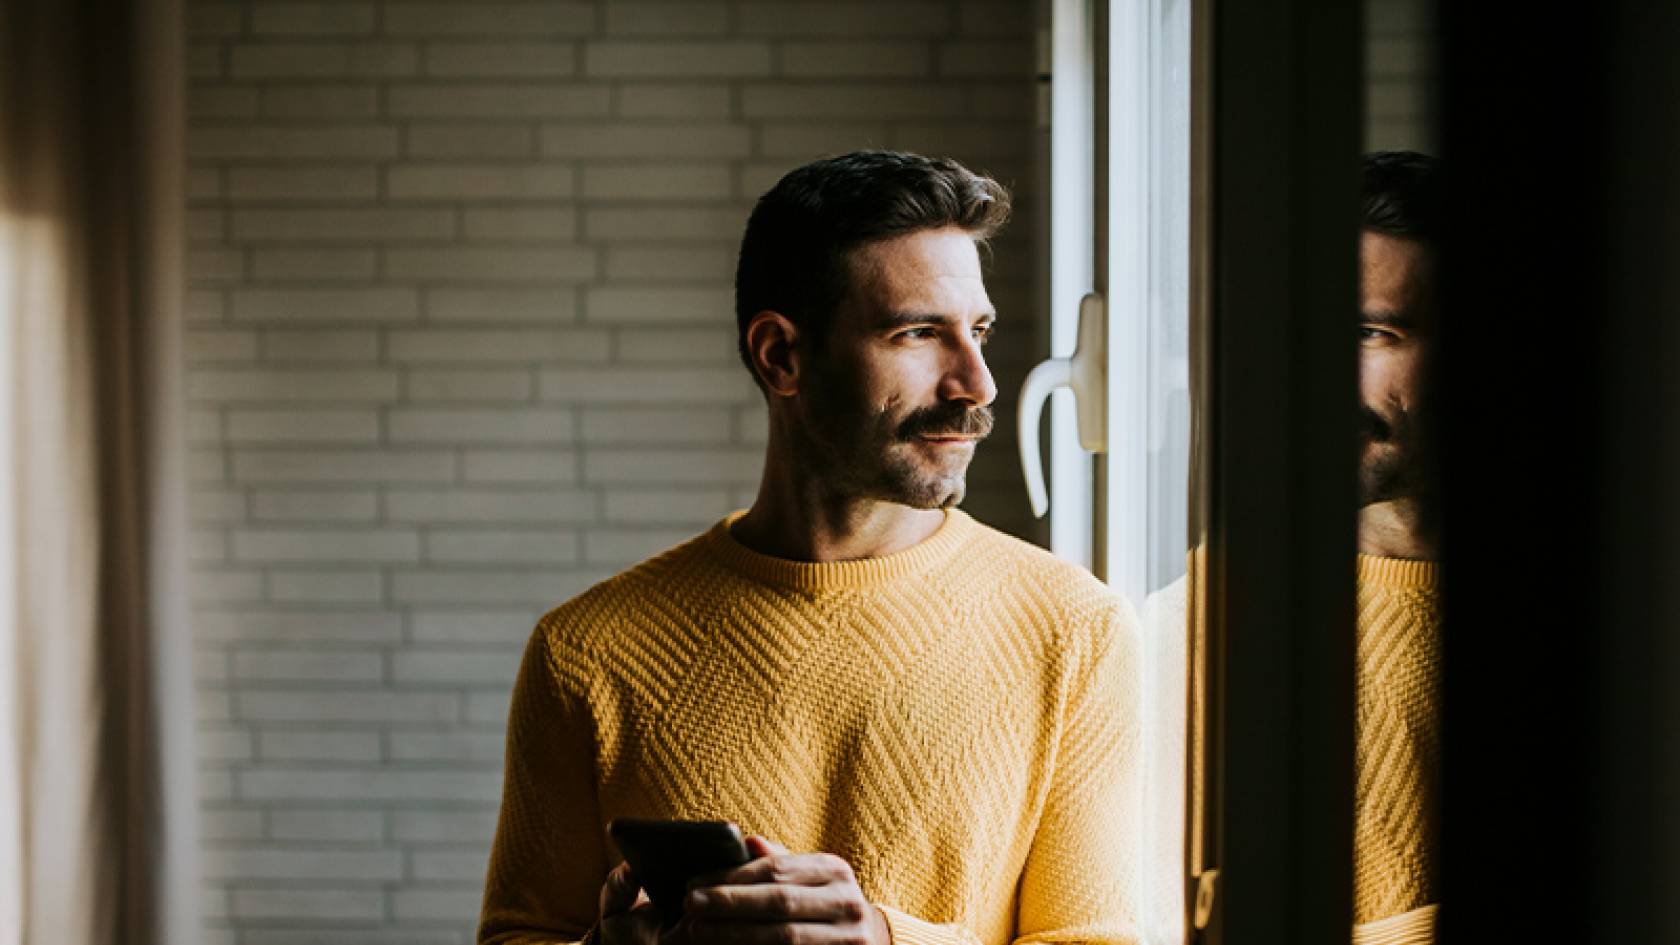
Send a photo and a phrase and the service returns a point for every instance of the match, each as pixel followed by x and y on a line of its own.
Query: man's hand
pixel 627 917
pixel 781 898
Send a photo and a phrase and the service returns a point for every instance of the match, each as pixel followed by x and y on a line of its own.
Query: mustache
pixel 1375 425
pixel 947 420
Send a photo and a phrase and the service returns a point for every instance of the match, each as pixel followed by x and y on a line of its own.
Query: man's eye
pixel 1367 333
pixel 984 332
pixel 925 331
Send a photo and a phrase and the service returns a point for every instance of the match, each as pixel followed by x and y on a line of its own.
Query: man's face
pixel 1396 331
pixel 899 395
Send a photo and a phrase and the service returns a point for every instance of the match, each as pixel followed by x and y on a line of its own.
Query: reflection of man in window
pixel 852 666
pixel 1399 526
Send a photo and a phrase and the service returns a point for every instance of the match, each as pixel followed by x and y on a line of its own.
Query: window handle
pixel 1086 374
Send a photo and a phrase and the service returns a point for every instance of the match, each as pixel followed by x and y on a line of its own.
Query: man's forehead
pixel 935 264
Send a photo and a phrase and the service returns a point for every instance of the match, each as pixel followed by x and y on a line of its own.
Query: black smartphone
pixel 666 854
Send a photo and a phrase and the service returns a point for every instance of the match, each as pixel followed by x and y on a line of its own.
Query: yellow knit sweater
pixel 1398 751
pixel 958 721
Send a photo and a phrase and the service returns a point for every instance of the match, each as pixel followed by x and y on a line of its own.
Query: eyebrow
pixel 896 320
pixel 1385 316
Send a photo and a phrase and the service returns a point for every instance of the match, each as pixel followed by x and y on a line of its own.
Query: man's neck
pixel 1399 528
pixel 796 518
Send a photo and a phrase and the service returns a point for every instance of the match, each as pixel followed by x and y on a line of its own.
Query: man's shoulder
pixel 621 602
pixel 1031 568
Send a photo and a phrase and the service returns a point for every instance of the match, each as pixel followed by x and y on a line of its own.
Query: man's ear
pixel 773 346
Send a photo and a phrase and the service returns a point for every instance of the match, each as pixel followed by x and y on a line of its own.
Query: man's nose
pixel 967 378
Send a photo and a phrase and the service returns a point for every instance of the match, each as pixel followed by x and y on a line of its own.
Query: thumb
pixel 761 846
pixel 620 892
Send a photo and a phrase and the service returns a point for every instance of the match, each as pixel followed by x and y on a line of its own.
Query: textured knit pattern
pixel 958 721
pixel 1397 760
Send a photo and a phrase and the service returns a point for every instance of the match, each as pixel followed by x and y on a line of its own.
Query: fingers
pixel 749 933
pixel 771 902
pixel 761 846
pixel 620 892
pixel 800 869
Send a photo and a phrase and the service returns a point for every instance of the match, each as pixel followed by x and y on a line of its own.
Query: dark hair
pixel 1402 195
pixel 795 254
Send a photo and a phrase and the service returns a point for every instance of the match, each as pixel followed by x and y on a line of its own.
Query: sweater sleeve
pixel 549 857
pixel 1081 874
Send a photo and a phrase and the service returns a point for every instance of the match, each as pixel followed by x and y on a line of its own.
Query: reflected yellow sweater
pixel 1397 760
pixel 957 720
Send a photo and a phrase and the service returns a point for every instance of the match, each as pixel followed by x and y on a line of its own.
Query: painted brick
pixel 312 705
pixel 304 666
pixel 203 182
pixel 522 466
pixel 855 60
pixel 319 345
pixel 676 346
pixel 520 223
pixel 311 626
pixel 489 19
pixel 204 426
pixel 331 305
pixel 854 102
pixel 480 102
pixel 688 100
pixel 317 903
pixel 615 546
pixel 670 263
pixel 450 866
pixel 207 544
pixel 994 59
pixel 215 19
pixel 323 61
pixel 499 344
pixel 223 744
pixel 291 385
pixel 501 305
pixel 549 264
pixel 666 182
pixel 341 225
pixel 478 182
pixel 637 385
pixel 204 61
pixel 356 466
pixel 613 305
pixel 320 545
pixel 437 904
pixel 660 426
pixel 501 59
pixel 336 506
pixel 485 587
pixel 480 386
pixel 445 934
pixel 720 225
pixel 609 59
pixel 318 745
pixel 640 140
pixel 443 826
pixel 783 18
pixel 215 265
pixel 463 747
pixel 969 140
pixel 221 103
pixel 707 466
pixel 206 465
pixel 204 226
pixel 490 506
pixel 697 508
pixel 312 19
pixel 216 505
pixel 666 19
pixel 991 18
pixel 339 182
pixel 337 586
pixel 321 101
pixel 455 667
pixel 314 265
pixel 470 141
pixel 316 864
pixel 496 627
pixel 220 345
pixel 230 824
pixel 501 547
pixel 336 826
pixel 369 784
pixel 303 426
pixel 489 707
pixel 500 425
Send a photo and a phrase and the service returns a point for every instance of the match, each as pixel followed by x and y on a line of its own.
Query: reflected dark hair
pixel 1402 195
pixel 795 254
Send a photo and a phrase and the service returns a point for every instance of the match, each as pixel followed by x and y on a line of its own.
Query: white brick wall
pixel 1400 77
pixel 460 343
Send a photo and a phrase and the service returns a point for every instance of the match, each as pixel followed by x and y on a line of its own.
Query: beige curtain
pixel 97 802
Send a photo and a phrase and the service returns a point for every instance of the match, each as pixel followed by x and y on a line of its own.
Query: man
pixel 938 718
pixel 1398 648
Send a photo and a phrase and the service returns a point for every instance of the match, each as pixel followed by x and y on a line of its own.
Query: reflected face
pixel 1396 332
pixel 900 394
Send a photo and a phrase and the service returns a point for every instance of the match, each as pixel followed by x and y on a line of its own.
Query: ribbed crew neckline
pixel 819 576
pixel 1399 572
